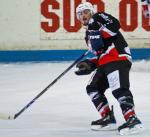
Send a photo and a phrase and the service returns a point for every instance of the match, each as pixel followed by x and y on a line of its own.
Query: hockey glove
pixel 85 67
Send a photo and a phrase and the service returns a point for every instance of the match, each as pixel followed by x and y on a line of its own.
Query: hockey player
pixel 111 65
pixel 146 8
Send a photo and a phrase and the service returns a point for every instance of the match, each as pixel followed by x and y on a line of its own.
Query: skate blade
pixel 109 127
pixel 135 130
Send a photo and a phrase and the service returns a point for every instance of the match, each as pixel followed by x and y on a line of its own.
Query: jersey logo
pixel 95 37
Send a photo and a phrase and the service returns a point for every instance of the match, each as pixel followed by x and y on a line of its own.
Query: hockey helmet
pixel 84 6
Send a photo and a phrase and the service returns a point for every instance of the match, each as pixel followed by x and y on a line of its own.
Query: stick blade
pixel 6 116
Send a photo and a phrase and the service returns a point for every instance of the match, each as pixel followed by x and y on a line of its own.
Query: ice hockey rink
pixel 65 110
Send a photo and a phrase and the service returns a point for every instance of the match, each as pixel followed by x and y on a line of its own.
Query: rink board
pixel 58 55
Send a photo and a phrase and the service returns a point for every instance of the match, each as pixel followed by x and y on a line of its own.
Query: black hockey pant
pixel 114 75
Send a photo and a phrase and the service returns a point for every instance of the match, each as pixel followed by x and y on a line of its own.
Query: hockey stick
pixel 11 117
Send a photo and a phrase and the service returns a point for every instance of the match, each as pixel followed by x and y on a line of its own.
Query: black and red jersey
pixel 115 47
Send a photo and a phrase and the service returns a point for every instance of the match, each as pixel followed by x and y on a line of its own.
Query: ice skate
pixel 106 123
pixel 132 126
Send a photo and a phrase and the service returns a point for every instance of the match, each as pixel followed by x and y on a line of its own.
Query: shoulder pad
pixel 94 23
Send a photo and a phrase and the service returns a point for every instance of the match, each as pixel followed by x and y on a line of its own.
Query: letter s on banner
pixel 50 15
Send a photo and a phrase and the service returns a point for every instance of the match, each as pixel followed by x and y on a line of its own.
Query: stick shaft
pixel 52 83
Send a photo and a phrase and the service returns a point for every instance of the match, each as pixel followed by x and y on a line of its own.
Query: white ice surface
pixel 65 110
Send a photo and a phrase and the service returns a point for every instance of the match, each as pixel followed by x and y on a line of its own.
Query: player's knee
pixel 89 89
pixel 120 92
pixel 92 92
pixel 124 97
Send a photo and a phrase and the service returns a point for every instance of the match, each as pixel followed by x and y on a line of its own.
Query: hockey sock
pixel 100 102
pixel 128 114
pixel 126 102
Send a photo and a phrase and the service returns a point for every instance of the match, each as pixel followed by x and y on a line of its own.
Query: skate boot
pixel 108 122
pixel 132 126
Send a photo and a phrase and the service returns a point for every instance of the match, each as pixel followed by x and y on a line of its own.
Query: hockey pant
pixel 114 75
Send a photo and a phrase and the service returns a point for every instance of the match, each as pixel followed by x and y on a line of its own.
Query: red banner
pixel 59 21
pixel 60 15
